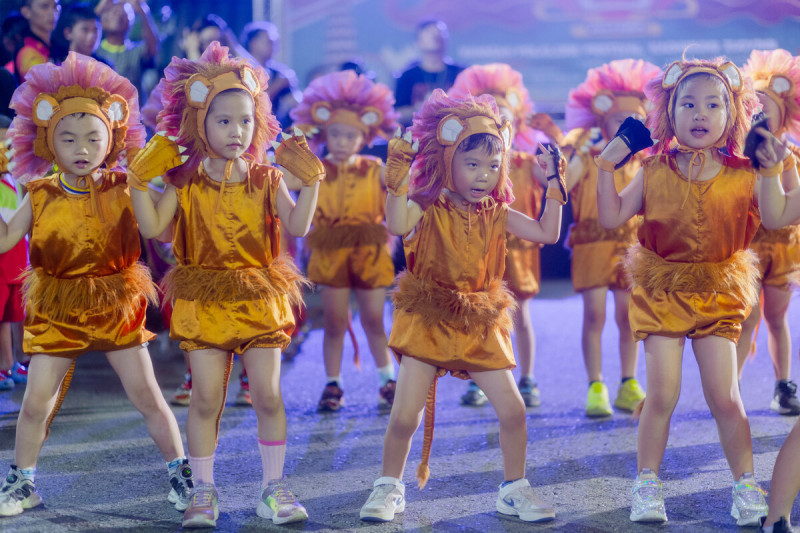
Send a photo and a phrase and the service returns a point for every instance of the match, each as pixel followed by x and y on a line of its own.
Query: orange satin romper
pixel 452 286
pixel 85 289
pixel 523 268
pixel 231 288
pixel 708 233
pixel 349 241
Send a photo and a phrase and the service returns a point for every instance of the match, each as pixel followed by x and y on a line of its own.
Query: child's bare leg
pixel 502 393
pixel 413 382
pixel 776 308
pixel 663 357
pixel 6 347
pixel 594 317
pixel 335 305
pixel 263 367
pixel 628 347
pixel 716 358
pixel 208 388
pixel 746 338
pixel 135 370
pixel 525 337
pixel 44 380
pixel 370 307
pixel 785 478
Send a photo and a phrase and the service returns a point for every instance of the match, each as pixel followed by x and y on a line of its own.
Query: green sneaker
pixel 279 504
pixel 597 402
pixel 629 395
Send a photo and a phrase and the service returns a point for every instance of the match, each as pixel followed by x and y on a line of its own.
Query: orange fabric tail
pixel 62 393
pixel 356 358
pixel 424 471
pixel 225 378
pixel 752 353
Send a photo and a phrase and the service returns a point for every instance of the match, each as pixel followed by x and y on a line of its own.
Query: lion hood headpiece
pixel 349 98
pixel 616 86
pixel 741 97
pixel 190 87
pixel 776 73
pixel 79 85
pixel 440 126
pixel 505 85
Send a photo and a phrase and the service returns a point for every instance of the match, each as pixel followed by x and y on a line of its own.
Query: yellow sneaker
pixel 597 401
pixel 629 395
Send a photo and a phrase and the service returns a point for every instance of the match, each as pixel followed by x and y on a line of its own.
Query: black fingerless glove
pixel 560 164
pixel 754 139
pixel 636 137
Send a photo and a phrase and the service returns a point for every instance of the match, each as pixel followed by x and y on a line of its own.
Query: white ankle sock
pixel 273 455
pixel 202 469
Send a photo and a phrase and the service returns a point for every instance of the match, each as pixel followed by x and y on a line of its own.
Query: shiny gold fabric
pixel 596 255
pixel 351 196
pixel 75 261
pixel 523 268
pixel 718 219
pixel 464 251
pixel 242 236
pixel 779 250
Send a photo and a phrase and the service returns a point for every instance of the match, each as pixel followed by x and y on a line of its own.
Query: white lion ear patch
pixel 602 103
pixel 115 111
pixel 780 84
pixel 198 92
pixel 449 130
pixel 672 75
pixel 44 110
pixel 505 133
pixel 732 73
pixel 369 118
pixel 321 112
pixel 513 100
pixel 249 80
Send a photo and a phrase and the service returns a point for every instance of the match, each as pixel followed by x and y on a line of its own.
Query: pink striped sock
pixel 273 453
pixel 202 469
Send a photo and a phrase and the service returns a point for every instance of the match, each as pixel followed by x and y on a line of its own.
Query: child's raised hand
pixel 159 155
pixel 296 157
pixel 632 136
pixel 554 165
pixel 398 163
pixel 764 149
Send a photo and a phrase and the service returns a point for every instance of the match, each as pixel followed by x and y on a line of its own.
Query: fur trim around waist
pixel 117 295
pixel 589 231
pixel 194 282
pixel 738 275
pixel 788 235
pixel 461 310
pixel 333 238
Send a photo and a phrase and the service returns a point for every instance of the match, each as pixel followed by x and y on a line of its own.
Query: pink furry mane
pixel 764 63
pixel 76 70
pixel 619 76
pixel 179 119
pixel 498 78
pixel 428 169
pixel 745 103
pixel 351 91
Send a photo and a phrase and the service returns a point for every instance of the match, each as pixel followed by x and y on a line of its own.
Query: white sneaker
pixel 647 504
pixel 749 504
pixel 518 499
pixel 17 494
pixel 388 497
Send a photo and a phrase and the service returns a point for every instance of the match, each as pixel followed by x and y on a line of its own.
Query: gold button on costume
pixel 85 289
pixel 231 289
pixel 349 241
pixel 523 268
pixel 597 253
pixel 451 305
pixel 693 274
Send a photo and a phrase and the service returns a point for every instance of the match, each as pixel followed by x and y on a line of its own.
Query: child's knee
pixel 35 411
pixel 372 324
pixel 206 403
pixel 267 403
pixel 593 318
pixel 335 324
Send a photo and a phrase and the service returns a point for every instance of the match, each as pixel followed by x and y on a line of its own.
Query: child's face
pixel 117 17
pixel 700 112
pixel 772 111
pixel 261 46
pixel 614 121
pixel 84 36
pixel 80 143
pixel 41 14
pixel 475 173
pixel 230 124
pixel 343 141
